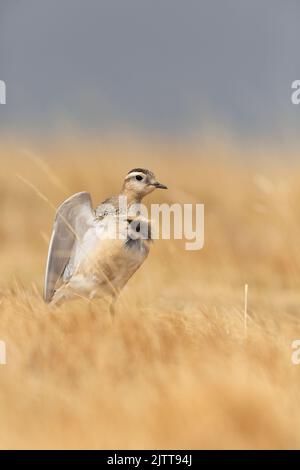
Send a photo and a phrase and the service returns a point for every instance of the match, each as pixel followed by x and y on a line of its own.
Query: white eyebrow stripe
pixel 134 173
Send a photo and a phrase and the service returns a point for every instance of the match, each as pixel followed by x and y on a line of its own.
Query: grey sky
pixel 167 65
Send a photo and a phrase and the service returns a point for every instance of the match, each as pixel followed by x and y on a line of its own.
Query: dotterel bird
pixel 85 257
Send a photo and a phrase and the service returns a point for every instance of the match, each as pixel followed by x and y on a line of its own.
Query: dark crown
pixel 141 170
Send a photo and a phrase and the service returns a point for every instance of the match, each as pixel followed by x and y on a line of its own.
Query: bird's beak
pixel 159 185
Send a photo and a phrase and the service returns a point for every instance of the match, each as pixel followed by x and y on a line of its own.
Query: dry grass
pixel 175 368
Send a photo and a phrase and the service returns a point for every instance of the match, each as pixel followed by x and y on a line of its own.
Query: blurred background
pixel 199 91
pixel 166 67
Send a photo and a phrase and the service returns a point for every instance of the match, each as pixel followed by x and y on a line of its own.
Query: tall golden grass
pixel 176 368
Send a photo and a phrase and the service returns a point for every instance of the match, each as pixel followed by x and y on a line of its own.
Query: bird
pixel 85 257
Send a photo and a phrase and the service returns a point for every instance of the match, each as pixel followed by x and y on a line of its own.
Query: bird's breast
pixel 104 263
pixel 114 260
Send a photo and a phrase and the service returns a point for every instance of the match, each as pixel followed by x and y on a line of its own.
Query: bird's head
pixel 140 182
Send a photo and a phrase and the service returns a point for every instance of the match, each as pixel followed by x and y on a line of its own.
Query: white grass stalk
pixel 246 311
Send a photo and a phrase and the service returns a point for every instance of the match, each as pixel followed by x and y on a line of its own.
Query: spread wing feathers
pixel 72 220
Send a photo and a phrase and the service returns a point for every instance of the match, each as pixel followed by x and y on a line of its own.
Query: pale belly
pixel 107 268
pixel 101 266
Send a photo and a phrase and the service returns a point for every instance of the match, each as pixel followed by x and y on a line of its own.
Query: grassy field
pixel 176 368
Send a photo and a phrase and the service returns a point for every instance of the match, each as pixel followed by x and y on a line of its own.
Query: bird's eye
pixel 139 177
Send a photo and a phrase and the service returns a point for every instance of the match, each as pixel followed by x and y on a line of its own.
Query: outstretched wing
pixel 72 220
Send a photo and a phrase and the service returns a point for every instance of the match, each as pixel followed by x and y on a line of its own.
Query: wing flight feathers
pixel 73 218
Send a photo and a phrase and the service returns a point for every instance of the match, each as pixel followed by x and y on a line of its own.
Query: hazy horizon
pixel 170 67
